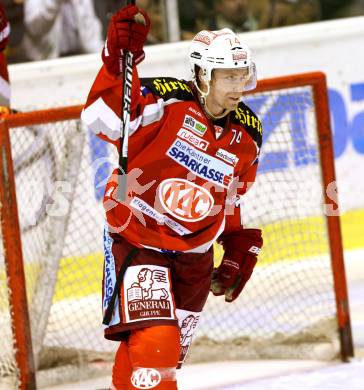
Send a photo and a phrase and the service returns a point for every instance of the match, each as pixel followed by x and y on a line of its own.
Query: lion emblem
pixel 146 281
pixel 187 329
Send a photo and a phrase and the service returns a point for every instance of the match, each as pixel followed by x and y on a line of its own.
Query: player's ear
pixel 201 82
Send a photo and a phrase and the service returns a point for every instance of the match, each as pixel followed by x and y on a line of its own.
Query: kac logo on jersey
pixel 146 378
pixel 193 124
pixel 185 200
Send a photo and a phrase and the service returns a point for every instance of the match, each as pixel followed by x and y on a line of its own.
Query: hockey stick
pixel 126 69
pixel 120 276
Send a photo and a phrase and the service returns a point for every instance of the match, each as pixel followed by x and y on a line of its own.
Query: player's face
pixel 226 89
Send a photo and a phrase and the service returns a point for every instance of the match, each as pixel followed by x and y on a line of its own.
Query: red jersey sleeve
pixel 4 28
pixel 103 108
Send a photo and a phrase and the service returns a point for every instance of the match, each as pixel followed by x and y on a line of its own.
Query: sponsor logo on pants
pixel 109 279
pixel 187 322
pixel 147 293
pixel 146 378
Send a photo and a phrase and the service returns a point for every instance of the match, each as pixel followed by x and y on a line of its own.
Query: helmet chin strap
pixel 202 98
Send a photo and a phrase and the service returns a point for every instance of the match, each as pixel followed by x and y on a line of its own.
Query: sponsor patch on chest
pixel 193 139
pixel 201 164
pixel 196 112
pixel 194 125
pixel 218 131
pixel 228 157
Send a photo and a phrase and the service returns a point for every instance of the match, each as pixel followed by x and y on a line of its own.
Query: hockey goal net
pixel 53 172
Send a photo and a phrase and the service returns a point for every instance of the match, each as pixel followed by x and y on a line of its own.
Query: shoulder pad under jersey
pixel 245 117
pixel 167 88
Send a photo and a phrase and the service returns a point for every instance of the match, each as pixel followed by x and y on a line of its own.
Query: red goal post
pixel 21 290
pixel 12 244
pixel 322 112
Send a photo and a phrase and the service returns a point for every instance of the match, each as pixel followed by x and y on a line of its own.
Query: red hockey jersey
pixel 182 179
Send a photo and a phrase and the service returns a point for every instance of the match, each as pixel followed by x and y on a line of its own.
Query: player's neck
pixel 215 114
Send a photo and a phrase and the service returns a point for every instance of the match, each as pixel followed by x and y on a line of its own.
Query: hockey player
pixel 4 76
pixel 193 151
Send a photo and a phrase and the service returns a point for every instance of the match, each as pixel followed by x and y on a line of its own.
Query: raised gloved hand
pixel 128 30
pixel 241 253
pixel 4 28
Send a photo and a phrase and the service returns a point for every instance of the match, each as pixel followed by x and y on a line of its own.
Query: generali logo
pixel 148 295
pixel 146 378
pixel 193 139
pixel 185 200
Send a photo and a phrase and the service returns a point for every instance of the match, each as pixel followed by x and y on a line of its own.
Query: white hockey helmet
pixel 221 49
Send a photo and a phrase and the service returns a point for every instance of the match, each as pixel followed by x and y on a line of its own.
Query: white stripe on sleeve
pixel 101 119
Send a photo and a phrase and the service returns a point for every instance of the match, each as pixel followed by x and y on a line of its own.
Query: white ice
pixel 258 375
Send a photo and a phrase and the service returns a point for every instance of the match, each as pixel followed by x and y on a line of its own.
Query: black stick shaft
pixel 127 74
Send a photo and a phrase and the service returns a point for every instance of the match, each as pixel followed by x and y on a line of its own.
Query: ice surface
pixel 338 377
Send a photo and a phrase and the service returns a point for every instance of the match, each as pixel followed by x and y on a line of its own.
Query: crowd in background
pixel 250 15
pixel 42 29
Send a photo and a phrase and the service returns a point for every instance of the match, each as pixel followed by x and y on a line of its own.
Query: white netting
pixel 287 309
